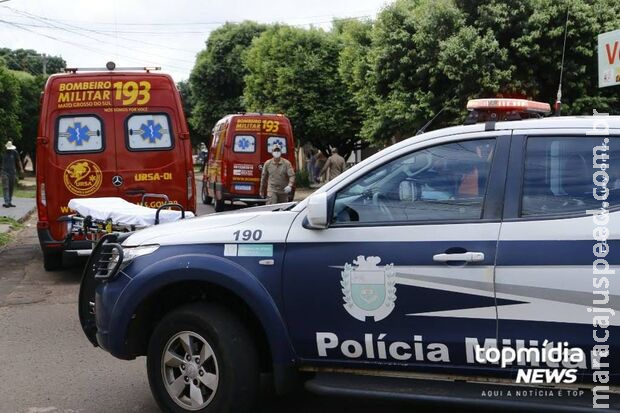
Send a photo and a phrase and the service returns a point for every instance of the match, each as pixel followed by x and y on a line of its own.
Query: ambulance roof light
pixel 110 66
pixel 507 104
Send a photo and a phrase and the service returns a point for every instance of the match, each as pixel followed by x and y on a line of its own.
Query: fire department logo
pixel 369 290
pixel 82 177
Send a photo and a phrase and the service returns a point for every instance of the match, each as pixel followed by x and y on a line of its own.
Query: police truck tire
pixel 222 373
pixel 219 205
pixel 206 199
pixel 52 260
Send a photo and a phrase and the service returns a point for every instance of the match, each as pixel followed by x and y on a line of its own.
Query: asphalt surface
pixel 48 365
pixel 23 207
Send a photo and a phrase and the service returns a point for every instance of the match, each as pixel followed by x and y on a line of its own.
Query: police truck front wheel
pixel 201 359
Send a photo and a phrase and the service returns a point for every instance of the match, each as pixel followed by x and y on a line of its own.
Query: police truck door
pixel 404 272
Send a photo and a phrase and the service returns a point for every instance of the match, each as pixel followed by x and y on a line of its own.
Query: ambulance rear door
pixel 150 141
pixel 246 147
pixel 78 143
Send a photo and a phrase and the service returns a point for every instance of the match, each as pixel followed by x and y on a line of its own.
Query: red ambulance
pixel 240 145
pixel 119 133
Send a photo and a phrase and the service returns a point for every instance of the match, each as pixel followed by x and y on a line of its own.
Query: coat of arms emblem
pixel 369 290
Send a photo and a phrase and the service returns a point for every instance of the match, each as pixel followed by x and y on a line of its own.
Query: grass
pixel 25 192
pixel 5 238
pixel 11 222
pixel 22 191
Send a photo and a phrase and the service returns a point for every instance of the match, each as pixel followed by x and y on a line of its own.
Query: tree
pixel 30 91
pixel 405 83
pixel 9 106
pixel 537 52
pixel 295 72
pixel 421 56
pixel 188 104
pixel 31 61
pixel 217 80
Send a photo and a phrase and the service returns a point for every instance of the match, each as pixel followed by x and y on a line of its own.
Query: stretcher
pixel 96 217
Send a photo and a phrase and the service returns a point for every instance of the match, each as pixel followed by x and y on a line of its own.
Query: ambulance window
pixel 558 177
pixel 79 134
pixel 149 132
pixel 244 143
pixel 441 183
pixel 276 140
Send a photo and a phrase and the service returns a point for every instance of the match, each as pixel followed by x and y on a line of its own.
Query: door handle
pixel 466 256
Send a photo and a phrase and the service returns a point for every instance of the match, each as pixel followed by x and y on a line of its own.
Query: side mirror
pixel 317 211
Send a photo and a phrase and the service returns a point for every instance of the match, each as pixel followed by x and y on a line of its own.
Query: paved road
pixel 48 366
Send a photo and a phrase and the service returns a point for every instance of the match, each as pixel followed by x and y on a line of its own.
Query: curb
pixel 21 220
pixel 27 215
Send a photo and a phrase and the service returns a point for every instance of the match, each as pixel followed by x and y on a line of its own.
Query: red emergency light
pixel 504 109
pixel 507 104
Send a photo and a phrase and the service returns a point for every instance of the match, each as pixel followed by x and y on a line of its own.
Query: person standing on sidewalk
pixel 277 179
pixel 334 166
pixel 10 165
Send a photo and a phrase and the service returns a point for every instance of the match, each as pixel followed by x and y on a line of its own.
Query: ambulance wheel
pixel 206 199
pixel 219 205
pixel 201 358
pixel 52 260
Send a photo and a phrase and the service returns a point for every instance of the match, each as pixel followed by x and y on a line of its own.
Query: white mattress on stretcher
pixel 122 212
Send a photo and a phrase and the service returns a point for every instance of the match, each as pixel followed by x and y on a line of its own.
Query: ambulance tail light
pixel 190 186
pixel 42 196
pixel 42 210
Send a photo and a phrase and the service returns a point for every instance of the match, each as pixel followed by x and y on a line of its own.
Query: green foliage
pixel 31 61
pixel 187 99
pixel 406 85
pixel 295 72
pixel 9 106
pixel 302 179
pixel 420 56
pixel 30 88
pixel 216 82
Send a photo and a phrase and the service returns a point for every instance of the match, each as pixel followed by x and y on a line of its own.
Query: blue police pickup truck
pixel 472 264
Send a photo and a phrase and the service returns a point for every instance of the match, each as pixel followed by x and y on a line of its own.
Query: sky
pixel 149 33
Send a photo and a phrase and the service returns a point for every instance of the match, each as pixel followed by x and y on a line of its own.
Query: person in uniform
pixel 334 166
pixel 10 165
pixel 319 162
pixel 277 179
pixel 203 156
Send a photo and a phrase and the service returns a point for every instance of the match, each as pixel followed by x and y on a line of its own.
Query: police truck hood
pixel 217 228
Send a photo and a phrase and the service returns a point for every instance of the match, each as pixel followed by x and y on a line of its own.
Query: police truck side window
pixel 558 175
pixel 445 182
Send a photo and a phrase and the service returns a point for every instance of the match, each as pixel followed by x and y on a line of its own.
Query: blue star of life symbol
pixel 244 143
pixel 278 142
pixel 78 133
pixel 151 131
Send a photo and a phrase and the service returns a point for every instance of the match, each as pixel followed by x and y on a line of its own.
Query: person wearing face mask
pixel 277 179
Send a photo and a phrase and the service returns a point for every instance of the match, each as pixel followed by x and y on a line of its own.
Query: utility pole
pixel 44 57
